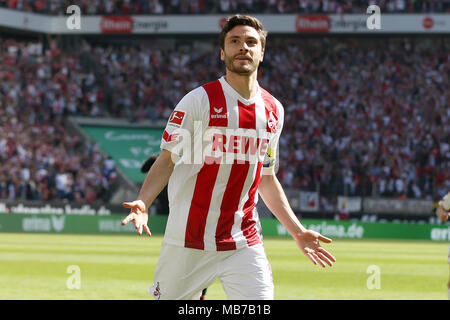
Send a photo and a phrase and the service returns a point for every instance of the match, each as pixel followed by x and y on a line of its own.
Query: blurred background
pixel 367 129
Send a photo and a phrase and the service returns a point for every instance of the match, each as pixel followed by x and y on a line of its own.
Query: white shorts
pixel 182 273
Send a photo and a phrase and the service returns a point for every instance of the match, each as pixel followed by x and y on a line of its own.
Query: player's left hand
pixel 308 242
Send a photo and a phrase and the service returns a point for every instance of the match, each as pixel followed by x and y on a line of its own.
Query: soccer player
pixel 163 208
pixel 218 152
pixel 443 212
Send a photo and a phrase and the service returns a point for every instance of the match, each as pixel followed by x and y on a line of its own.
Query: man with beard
pixel 213 230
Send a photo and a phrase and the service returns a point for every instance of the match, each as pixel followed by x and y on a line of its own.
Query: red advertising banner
pixel 312 23
pixel 116 24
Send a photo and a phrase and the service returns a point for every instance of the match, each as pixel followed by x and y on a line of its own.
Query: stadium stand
pixel 134 7
pixel 40 159
pixel 358 120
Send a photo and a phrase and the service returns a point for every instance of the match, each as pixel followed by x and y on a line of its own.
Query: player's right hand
pixel 442 214
pixel 138 215
pixel 443 210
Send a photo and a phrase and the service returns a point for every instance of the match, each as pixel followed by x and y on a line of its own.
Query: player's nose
pixel 244 46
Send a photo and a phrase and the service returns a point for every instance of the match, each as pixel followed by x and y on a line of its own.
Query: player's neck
pixel 246 86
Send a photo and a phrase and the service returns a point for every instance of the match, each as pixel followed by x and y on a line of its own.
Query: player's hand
pixel 308 242
pixel 138 215
pixel 442 214
pixel 443 210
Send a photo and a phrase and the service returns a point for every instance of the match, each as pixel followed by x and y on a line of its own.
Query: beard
pixel 236 66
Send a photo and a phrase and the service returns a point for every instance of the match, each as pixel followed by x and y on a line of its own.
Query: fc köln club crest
pixel 272 122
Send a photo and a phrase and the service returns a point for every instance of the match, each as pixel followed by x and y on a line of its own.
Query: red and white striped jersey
pixel 225 144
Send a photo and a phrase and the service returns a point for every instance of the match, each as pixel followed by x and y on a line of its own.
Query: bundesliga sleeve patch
pixel 176 118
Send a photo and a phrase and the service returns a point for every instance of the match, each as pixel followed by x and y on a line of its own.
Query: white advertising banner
pixel 25 21
pixel 211 24
pixel 349 204
pixel 392 23
pixel 405 206
pixel 309 201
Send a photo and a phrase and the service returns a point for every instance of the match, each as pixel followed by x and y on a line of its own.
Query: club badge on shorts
pixel 156 291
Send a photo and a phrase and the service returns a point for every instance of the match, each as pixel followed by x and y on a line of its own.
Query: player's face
pixel 242 51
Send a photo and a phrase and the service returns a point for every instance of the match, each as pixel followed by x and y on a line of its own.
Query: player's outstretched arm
pixel 443 210
pixel 154 183
pixel 274 197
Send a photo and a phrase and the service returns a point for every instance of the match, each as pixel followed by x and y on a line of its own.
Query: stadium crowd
pixel 363 117
pixel 125 7
pixel 40 159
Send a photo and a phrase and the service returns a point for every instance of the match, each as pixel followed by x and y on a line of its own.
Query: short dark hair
pixel 242 20
pixel 148 163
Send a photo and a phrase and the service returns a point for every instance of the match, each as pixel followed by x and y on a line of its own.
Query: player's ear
pixel 262 55
pixel 222 55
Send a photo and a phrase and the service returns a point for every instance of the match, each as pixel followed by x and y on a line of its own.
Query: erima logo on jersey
pixel 218 114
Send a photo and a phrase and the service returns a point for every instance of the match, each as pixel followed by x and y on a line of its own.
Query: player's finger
pixel 134 206
pixel 128 218
pixel 137 224
pixel 309 255
pixel 319 261
pixel 327 254
pixel 140 229
pixel 324 258
pixel 129 204
pixel 147 230
pixel 324 239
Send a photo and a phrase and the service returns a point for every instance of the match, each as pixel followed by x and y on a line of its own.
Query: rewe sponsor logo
pixel 239 144
pixel 223 145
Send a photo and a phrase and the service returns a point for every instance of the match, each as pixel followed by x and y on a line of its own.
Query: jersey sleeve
pixel 178 133
pixel 271 158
